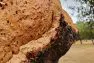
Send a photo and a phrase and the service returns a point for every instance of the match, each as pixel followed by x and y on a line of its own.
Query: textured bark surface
pixel 34 31
pixel 57 47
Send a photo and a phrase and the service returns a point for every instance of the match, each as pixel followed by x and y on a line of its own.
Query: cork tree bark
pixel 34 31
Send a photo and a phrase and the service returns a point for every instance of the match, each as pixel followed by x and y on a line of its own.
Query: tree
pixel 84 31
pixel 34 31
pixel 86 13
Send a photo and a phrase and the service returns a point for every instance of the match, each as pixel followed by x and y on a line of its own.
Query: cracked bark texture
pixel 34 31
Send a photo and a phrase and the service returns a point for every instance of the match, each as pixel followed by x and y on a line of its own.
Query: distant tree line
pixel 86 31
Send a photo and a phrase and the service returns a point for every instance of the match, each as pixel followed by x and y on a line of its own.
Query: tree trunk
pixel 81 41
pixel 34 31
pixel 92 41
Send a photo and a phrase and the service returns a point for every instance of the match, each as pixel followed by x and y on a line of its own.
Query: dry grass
pixel 79 53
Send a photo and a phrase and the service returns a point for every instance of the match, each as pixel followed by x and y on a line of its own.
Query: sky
pixel 72 13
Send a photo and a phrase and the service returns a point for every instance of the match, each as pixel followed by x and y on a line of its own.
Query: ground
pixel 79 53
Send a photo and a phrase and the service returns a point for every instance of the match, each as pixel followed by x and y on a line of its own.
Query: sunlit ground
pixel 80 53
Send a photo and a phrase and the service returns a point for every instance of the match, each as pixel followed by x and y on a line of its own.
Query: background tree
pixel 85 17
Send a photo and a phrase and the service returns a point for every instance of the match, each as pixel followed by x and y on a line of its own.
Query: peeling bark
pixel 57 47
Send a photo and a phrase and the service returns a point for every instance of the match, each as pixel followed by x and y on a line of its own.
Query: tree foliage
pixel 85 31
pixel 86 13
pixel 86 10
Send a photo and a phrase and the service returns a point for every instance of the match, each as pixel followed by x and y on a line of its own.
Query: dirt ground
pixel 79 53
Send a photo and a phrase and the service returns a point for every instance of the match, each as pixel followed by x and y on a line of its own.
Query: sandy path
pixel 79 54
